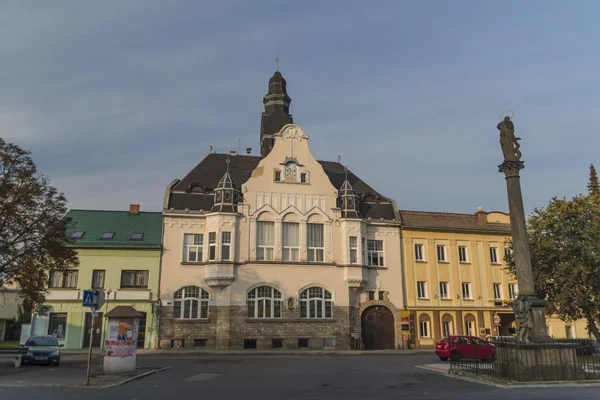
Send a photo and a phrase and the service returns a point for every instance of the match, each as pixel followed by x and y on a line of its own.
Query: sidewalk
pixel 252 352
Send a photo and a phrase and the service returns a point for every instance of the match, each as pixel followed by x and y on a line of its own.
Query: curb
pixel 530 385
pixel 133 378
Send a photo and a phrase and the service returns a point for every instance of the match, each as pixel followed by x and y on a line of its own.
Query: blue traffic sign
pixel 88 298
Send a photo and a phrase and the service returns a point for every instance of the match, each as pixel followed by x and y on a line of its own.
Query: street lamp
pixel 108 292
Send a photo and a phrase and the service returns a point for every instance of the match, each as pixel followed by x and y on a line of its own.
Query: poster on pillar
pixel 121 338
pixel 404 318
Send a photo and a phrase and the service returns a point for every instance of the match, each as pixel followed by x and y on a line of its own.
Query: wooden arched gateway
pixel 378 328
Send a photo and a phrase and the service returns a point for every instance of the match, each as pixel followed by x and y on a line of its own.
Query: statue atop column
pixel 508 141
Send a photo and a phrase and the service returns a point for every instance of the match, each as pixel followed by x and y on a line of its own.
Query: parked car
pixel 458 347
pixel 41 349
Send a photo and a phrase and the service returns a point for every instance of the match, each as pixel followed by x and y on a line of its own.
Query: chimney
pixel 233 153
pixel 134 209
pixel 481 216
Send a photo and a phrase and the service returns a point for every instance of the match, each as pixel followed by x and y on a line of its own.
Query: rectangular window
pixel 419 252
pixel 64 279
pixel 303 177
pixel 353 245
pixel 446 328
pixel 265 240
pixel 494 255
pixel 200 342
pixel 469 328
pixel 291 241
pixel 192 247
pixel 134 279
pixel 225 246
pixel 507 254
pixel 249 343
pixel 57 325
pixel 212 246
pixel 424 329
pixel 512 291
pixel 315 243
pixel 444 290
pixel 380 295
pixel 98 278
pixel 375 252
pixel 277 176
pixel 303 343
pixel 371 295
pixel 441 253
pixel 277 343
pixel 462 254
pixel 422 290
pixel 466 290
pixel 497 291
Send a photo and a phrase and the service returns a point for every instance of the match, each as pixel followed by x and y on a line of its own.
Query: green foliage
pixel 33 236
pixel 564 239
pixel 593 186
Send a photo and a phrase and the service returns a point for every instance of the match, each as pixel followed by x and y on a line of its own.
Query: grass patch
pixel 9 344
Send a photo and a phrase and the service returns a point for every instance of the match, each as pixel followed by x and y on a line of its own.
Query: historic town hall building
pixel 285 251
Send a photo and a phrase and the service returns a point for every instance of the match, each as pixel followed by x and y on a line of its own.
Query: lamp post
pixel 108 292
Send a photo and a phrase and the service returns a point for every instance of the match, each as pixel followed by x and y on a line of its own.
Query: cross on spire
pixel 277 59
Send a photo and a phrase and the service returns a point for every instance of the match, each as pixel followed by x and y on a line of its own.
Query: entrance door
pixel 141 337
pixel 97 330
pixel 378 328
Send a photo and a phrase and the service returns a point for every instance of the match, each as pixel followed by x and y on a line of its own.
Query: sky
pixel 116 99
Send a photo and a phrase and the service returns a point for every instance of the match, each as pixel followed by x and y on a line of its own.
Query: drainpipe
pixel 158 301
pixel 403 271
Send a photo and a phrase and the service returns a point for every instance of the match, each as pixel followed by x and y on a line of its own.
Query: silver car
pixel 41 349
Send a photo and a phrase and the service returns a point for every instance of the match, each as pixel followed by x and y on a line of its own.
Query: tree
pixel 564 239
pixel 593 186
pixel 33 237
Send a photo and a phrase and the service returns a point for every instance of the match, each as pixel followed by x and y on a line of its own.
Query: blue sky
pixel 115 99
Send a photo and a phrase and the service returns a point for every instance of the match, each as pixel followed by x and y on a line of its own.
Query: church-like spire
pixel 348 200
pixel 277 111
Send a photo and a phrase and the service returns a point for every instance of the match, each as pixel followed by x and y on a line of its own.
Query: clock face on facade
pixel 290 171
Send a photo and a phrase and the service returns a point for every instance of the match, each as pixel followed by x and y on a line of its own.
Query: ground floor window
pixel 469 328
pixel 57 325
pixel 424 329
pixel 446 328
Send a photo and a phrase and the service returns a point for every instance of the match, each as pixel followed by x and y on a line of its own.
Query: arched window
pixel 264 302
pixel 316 302
pixel 190 302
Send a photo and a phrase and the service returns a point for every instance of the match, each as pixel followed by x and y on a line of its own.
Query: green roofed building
pixel 119 254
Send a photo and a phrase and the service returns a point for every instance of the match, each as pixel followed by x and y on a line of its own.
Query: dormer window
pixel 196 189
pixel 108 235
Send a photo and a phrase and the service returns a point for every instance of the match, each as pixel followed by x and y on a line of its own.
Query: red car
pixel 457 347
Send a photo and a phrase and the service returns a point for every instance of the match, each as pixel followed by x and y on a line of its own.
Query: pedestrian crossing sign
pixel 88 298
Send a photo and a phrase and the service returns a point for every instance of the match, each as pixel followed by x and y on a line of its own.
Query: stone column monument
pixel 528 307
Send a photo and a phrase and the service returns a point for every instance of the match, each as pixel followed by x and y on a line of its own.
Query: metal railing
pixel 560 360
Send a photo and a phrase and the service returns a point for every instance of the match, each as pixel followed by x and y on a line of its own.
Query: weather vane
pixel 277 59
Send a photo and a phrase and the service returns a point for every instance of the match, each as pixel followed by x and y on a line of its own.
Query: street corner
pixel 107 381
pixel 437 367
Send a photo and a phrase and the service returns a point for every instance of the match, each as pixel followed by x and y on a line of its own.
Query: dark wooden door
pixel 378 328
pixel 97 330
pixel 141 337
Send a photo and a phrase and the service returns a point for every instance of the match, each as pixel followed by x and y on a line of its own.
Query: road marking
pixel 443 368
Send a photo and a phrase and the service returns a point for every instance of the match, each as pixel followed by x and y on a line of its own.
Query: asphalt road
pixel 295 377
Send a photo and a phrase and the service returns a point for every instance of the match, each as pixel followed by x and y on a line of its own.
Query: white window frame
pixel 212 246
pixel 446 328
pixel 266 249
pixel 422 290
pixel 315 253
pixel 468 291
pixel 444 291
pixel 424 330
pixel 316 303
pixel 463 254
pixel 419 252
pixel 189 297
pixel 260 303
pixel 497 291
pixel 198 247
pixel 441 247
pixel 376 252
pixel 512 291
pixel 287 251
pixel 507 251
pixel 494 255
pixel 353 250
pixel 469 327
pixel 226 243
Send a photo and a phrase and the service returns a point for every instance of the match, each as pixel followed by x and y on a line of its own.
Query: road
pixel 226 377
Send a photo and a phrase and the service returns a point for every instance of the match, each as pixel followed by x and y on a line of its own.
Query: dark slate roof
pixel 93 223
pixel 211 169
pixel 449 221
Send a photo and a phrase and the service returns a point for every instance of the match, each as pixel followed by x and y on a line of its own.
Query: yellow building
pixel 456 278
